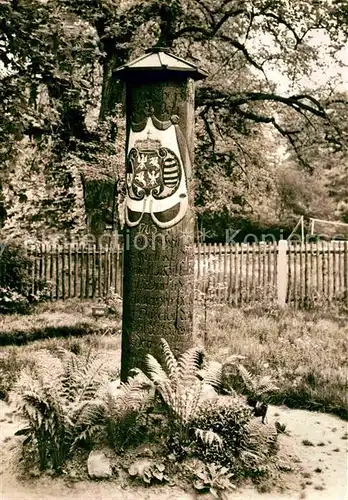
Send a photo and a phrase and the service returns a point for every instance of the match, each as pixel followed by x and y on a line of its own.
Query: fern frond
pixel 209 437
pixel 132 395
pixel 155 370
pixel 267 388
pixel 58 402
pixel 170 361
pixel 88 412
pixel 247 378
pixel 212 373
pixel 87 433
pixel 191 401
pixel 265 385
pixel 188 365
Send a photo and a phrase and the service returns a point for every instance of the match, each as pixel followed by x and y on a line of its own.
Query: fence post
pixel 282 272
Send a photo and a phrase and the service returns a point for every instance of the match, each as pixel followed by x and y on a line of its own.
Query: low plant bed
pixel 168 425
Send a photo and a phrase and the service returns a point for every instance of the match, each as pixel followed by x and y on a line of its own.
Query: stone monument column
pixel 158 284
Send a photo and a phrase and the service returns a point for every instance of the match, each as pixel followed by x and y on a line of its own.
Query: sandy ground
pixel 320 467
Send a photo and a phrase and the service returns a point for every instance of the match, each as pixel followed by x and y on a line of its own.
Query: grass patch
pixel 304 353
pixel 55 319
pixel 14 358
pixel 50 327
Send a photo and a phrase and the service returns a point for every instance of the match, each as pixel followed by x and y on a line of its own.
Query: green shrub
pixel 15 281
pixel 15 268
pixel 12 301
pixel 228 418
pixel 258 451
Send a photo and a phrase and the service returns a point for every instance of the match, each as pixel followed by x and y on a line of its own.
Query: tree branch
pixel 243 49
pixel 295 101
pixel 281 20
pixel 288 134
pixel 205 32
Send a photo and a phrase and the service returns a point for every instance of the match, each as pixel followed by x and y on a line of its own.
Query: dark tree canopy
pixel 62 123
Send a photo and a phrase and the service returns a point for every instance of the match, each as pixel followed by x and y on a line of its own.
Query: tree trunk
pixel 112 89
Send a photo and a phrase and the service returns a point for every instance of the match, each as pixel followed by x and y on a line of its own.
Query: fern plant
pixel 258 457
pixel 124 410
pixel 256 389
pixel 55 401
pixel 183 384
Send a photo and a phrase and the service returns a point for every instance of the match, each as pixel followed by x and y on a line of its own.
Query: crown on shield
pixel 147 144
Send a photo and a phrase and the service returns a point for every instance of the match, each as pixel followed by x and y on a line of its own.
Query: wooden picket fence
pixel 300 274
pixel 286 272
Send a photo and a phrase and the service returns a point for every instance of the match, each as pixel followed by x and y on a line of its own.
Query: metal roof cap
pixel 159 59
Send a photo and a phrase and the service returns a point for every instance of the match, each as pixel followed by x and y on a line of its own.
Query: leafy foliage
pixel 148 471
pixel 182 385
pixel 256 388
pixel 67 400
pixel 226 417
pixel 259 449
pixel 64 133
pixel 55 402
pixel 15 267
pixel 15 281
pixel 214 479
pixel 123 411
pixel 12 301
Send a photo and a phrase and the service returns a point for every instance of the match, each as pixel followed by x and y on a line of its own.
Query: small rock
pixel 208 392
pixel 35 473
pixel 306 442
pixel 306 474
pixel 283 466
pixel 98 465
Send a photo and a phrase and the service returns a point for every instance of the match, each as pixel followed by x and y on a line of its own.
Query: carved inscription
pixel 159 294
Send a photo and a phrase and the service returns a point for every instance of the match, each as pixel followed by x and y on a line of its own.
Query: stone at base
pixel 98 465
